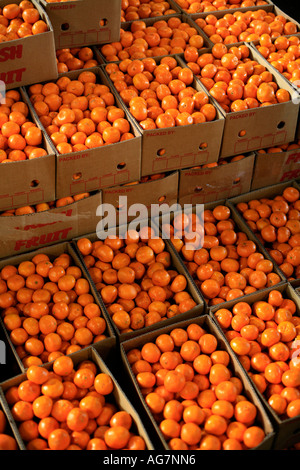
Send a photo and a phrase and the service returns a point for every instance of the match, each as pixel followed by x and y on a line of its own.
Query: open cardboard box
pixel 296 84
pixel 174 148
pixel 30 59
pixel 210 326
pixel 255 7
pixel 80 23
pixel 269 7
pixel 24 233
pixel 162 191
pixel 100 356
pixel 269 192
pixel 203 185
pixel 273 168
pixel 98 168
pixel 261 127
pixel 126 26
pixel 297 35
pixel 28 182
pixel 287 430
pixel 175 264
pixel 53 252
pixel 241 226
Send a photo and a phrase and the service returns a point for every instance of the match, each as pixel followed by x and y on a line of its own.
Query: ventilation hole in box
pixel 119 208
pixel 77 176
pixel 34 183
pixel 103 22
pixel 203 146
pixel 242 133
pixel 237 181
pixel 65 27
pixel 162 199
pixel 281 125
pixel 198 189
pixel 161 152
pixel 121 166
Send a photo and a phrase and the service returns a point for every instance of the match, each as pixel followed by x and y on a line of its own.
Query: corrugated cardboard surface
pixel 97 168
pixel 155 192
pixel 25 233
pixel 200 186
pixel 53 252
pixel 28 182
pixel 287 430
pixel 77 23
pixel 210 326
pixel 28 60
pixel 273 168
pixel 100 356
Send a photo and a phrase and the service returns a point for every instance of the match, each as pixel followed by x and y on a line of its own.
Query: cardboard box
pixel 287 431
pixel 269 7
pixel 157 191
pixel 174 148
pixel 30 59
pixel 262 127
pixel 25 233
pixel 273 168
pixel 240 225
pixel 206 322
pixel 98 168
pixel 268 192
pixel 99 357
pixel 28 182
pixel 84 22
pixel 256 44
pixel 53 252
pixel 171 8
pixel 126 26
pixel 255 7
pixel 200 186
pixel 176 264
